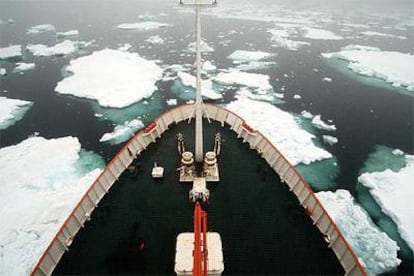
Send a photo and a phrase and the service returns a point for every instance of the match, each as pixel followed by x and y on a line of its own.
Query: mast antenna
pixel 198 105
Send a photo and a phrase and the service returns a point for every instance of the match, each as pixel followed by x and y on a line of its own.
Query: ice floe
pixel 155 39
pixel 208 66
pixel 263 12
pixel 398 152
pixel 3 72
pixel 66 47
pixel 376 250
pixel 297 97
pixel 327 79
pixel 35 203
pixel 371 33
pixel 10 52
pixel 172 102
pixel 320 34
pixel 393 191
pixel 281 129
pixel 240 56
pixel 22 66
pixel 143 26
pixel 280 38
pixel 352 47
pixel 112 78
pixel 251 60
pixel 244 92
pixel 318 123
pixel 125 47
pixel 393 67
pixel 331 140
pixel 236 77
pixel 205 48
pixel 123 132
pixel 40 29
pixel 207 90
pixel 306 114
pixel 256 65
pixel 68 33
pixel 12 110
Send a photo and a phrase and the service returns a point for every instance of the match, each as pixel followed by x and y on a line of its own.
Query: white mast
pixel 198 105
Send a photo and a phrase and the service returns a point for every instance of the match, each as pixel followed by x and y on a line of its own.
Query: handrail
pixel 88 202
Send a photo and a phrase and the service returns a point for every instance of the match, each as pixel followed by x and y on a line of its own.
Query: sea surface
pixel 367 112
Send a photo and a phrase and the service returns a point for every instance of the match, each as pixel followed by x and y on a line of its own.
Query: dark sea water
pixel 366 112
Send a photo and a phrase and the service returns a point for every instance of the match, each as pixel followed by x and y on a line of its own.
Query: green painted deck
pixel 263 228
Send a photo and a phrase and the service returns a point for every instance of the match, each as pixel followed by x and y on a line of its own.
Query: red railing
pixel 354 268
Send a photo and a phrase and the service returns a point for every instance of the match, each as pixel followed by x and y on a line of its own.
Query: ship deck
pixel 263 228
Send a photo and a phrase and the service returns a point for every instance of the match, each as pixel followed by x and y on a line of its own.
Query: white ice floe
pixel 376 250
pixel 66 47
pixel 281 129
pixel 172 102
pixel 288 44
pixel 320 34
pixel 370 33
pixel 327 79
pixel 12 110
pixel 155 39
pixel 398 152
pixel 207 90
pixel 244 92
pixel 125 47
pixel 36 203
pixel 22 66
pixel 280 38
pixel 13 51
pixel 306 114
pixel 68 33
pixel 318 123
pixel 251 60
pixel 40 29
pixel 143 26
pixel 208 66
pixel 255 65
pixel 239 56
pixel 297 97
pixel 123 132
pixel 3 72
pixel 331 140
pixel 393 67
pixel 393 191
pixel 253 80
pixel 113 78
pixel 205 48
pixel 263 12
pixel 352 47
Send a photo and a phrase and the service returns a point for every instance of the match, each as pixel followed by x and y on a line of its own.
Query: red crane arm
pixel 200 253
